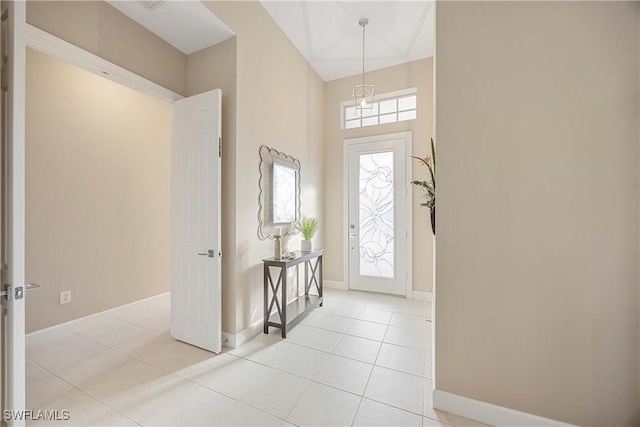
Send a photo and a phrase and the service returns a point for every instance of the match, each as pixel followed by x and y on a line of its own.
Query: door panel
pixel 13 38
pixel 376 214
pixel 195 221
pixel 377 220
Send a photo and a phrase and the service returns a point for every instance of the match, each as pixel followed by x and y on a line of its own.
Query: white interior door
pixel 379 214
pixel 195 221
pixel 13 36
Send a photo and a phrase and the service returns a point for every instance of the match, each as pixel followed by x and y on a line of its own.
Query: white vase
pixel 305 246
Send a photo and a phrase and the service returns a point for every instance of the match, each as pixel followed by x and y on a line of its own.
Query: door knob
pixel 210 253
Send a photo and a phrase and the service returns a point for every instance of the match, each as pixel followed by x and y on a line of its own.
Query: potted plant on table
pixel 308 227
pixel 429 185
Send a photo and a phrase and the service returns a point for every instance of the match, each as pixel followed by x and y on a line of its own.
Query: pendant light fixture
pixel 363 93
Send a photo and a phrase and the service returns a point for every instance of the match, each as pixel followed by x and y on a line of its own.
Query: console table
pixel 288 315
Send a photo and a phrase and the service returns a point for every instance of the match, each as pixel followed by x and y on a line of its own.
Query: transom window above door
pixel 388 107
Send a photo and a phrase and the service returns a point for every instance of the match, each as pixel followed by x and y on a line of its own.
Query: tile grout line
pixel 216 391
pixel 286 419
pixel 83 392
pixel 233 398
pixel 424 397
pixel 397 407
pixel 301 377
pixel 113 409
pixel 367 384
pixel 310 380
pixel 350 358
pixel 330 386
pixel 152 366
pixel 139 325
pixel 370 321
pixel 106 347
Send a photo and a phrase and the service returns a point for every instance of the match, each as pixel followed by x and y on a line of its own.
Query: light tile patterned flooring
pixel 362 359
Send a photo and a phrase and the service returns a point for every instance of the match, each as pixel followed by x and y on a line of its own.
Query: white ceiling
pixel 189 26
pixel 328 35
pixel 325 32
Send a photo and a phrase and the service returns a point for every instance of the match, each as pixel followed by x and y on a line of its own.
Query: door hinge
pixel 6 292
pixel 220 147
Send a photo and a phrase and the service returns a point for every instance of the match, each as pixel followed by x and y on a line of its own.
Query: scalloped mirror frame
pixel 269 156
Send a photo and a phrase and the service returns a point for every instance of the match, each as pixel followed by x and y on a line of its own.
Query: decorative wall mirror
pixel 279 200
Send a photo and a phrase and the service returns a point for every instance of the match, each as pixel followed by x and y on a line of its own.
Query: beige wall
pixel 208 69
pixel 537 268
pixel 412 74
pixel 279 104
pixel 271 96
pixel 97 27
pixel 97 207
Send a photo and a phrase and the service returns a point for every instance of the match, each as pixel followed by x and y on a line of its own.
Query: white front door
pixel 379 214
pixel 195 221
pixel 12 39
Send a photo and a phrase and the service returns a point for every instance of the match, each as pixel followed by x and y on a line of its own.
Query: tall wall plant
pixel 429 185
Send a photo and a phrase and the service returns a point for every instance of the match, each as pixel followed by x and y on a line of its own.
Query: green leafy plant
pixel 309 227
pixel 429 185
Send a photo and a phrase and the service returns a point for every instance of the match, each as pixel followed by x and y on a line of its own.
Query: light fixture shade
pixel 363 94
pixel 363 98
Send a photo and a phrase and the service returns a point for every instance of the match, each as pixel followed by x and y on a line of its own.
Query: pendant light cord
pixel 363 53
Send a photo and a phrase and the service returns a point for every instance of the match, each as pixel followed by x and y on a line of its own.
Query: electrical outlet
pixel 65 297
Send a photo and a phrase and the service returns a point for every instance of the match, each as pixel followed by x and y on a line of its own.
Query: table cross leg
pixel 315 277
pixel 274 297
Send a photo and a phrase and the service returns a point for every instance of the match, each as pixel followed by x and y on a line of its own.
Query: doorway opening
pixel 99 198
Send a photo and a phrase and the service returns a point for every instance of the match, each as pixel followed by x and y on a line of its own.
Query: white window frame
pixel 381 97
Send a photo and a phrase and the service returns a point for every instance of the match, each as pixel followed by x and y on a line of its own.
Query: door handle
pixel 19 291
pixel 210 253
pixel 32 287
pixel 353 235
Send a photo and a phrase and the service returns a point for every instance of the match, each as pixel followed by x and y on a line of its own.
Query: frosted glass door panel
pixel 376 215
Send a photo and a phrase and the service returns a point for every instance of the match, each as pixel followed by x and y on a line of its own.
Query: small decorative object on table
pixel 277 235
pixel 289 256
pixel 308 227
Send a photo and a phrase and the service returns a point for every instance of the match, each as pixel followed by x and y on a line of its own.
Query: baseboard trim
pixel 333 284
pixel 229 339
pixel 417 295
pixel 486 412
pixel 423 296
pixel 249 333
pixel 242 337
pixel 72 326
